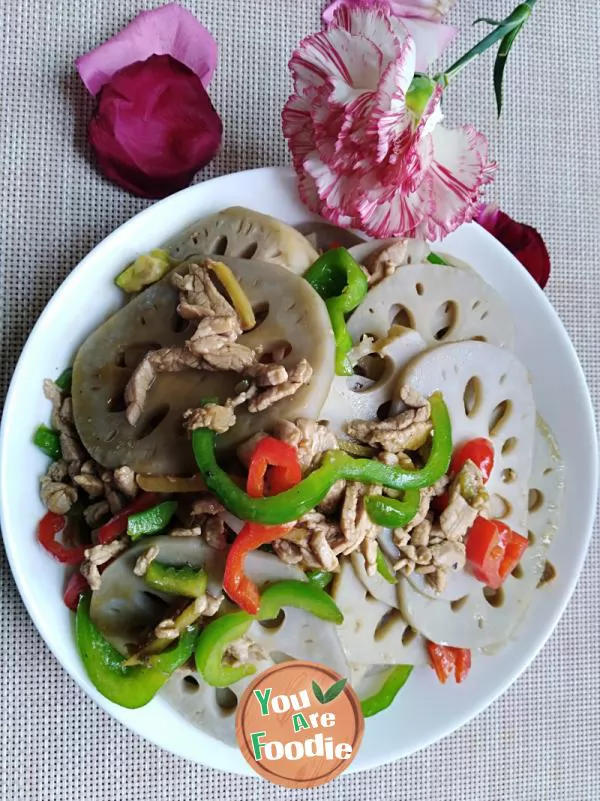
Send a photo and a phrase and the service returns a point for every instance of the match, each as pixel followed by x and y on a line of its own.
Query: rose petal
pixel 169 30
pixel 522 240
pixel 154 127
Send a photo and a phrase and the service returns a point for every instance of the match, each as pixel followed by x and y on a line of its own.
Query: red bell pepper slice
pixel 480 451
pixel 49 526
pixel 446 660
pixel 281 461
pixel 284 472
pixel 76 586
pixel 493 551
pixel 117 525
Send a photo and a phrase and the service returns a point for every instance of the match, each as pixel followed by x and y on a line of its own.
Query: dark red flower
pixel 522 240
pixel 154 127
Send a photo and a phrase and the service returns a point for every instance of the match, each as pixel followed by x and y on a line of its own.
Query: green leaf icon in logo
pixel 331 694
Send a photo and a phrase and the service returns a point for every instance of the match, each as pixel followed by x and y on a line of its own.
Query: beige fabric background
pixel 541 740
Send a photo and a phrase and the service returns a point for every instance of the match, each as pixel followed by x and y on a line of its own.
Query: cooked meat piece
pixel 206 504
pixel 116 502
pixel 57 470
pixel 384 262
pixel 90 484
pixel 298 377
pixel 243 650
pixel 471 485
pixel 214 532
pixel 234 357
pixel 96 512
pixel 199 297
pixel 406 431
pixel 332 500
pixel 212 604
pixel 457 518
pixel 144 560
pixel 66 412
pixel 467 497
pixel 195 531
pixel 243 397
pixel 97 556
pixel 449 555
pixel 55 396
pixel 369 548
pixel 165 360
pixel 88 467
pixel 420 534
pixel 57 496
pixel 412 398
pixel 218 418
pixel 166 630
pixel 213 333
pixel 315 539
pixel 246 449
pixel 268 375
pixel 355 523
pixel 311 440
pixel 124 479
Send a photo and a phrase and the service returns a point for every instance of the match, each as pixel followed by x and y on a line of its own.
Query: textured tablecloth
pixel 541 740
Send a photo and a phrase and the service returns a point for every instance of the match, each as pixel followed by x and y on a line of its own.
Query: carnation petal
pixel 169 30
pixel 423 9
pixel 431 39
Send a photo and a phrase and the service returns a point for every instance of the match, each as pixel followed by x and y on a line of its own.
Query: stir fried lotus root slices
pixel 373 632
pixel 368 396
pixel 488 394
pixel 290 316
pixel 245 234
pixel 442 303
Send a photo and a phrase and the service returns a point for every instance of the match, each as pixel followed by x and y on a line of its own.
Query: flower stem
pixel 513 23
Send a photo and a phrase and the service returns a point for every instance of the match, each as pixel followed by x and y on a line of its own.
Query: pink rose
pixel 154 127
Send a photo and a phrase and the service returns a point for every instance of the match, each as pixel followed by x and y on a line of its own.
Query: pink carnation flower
pixel 364 157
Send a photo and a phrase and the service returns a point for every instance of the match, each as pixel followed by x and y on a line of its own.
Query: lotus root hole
pixel 275 622
pixel 249 251
pixel 391 618
pixel 220 246
pixel 190 685
pixel 408 635
pixel 444 320
pixel 500 416
pixel 472 396
pixel 459 603
pixel 509 445
pixel 530 537
pixel 420 289
pixel 518 572
pixel 132 355
pixel 494 598
pixel 276 352
pixel 369 370
pixel 116 403
pixel 383 411
pixel 280 656
pixel 147 427
pixel 179 324
pixel 226 699
pixel 479 338
pixel 508 475
pixel 499 507
pixel 400 315
pixel 261 310
pixel 536 499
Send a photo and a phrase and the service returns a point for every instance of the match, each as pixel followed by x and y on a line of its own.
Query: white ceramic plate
pixel 425 711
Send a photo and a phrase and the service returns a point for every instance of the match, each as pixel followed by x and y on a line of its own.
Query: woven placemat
pixel 541 740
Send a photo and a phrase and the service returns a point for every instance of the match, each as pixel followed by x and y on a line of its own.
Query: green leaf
pixel 488 21
pixel 500 64
pixel 335 689
pixel 318 693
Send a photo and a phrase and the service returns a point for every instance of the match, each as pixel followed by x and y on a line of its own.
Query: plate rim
pixel 226 762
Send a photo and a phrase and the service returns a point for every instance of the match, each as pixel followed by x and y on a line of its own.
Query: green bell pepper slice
pixel 150 521
pixel 392 513
pixel 221 632
pixel 145 270
pixel 308 493
pixel 384 569
pixel 47 441
pixel 384 697
pixel 131 687
pixel 320 577
pixel 435 258
pixel 211 647
pixel 185 581
pixel 340 281
pixel 302 595
pixel 64 380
